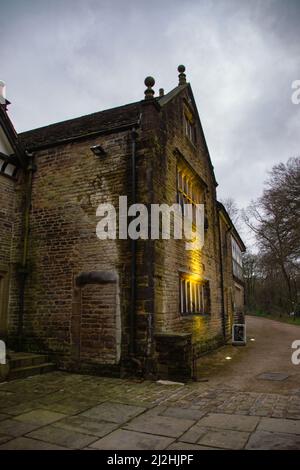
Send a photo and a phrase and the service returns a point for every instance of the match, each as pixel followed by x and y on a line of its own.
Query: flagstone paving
pixel 14 428
pixel 25 443
pixel 161 425
pixel 262 440
pixel 60 410
pixel 86 425
pixel 63 437
pixel 115 412
pixel 234 422
pixel 224 438
pixel 123 439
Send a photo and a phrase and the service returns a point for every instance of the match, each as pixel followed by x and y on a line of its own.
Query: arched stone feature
pixel 96 277
pixel 96 320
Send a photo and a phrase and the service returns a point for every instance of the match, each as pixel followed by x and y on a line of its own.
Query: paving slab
pixel 289 426
pixel 225 439
pixel 183 413
pixel 193 434
pixel 161 425
pixel 122 439
pixel 15 428
pixel 72 405
pixel 86 425
pixel 25 443
pixel 113 412
pixel 186 446
pixel 264 440
pixel 228 421
pixel 66 438
pixel 55 397
pixel 40 417
pixel 4 438
pixel 273 376
pixel 21 408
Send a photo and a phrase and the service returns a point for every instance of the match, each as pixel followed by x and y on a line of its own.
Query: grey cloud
pixel 62 59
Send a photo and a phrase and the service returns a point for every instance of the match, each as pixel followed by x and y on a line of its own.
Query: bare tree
pixel 232 210
pixel 275 220
pixel 251 277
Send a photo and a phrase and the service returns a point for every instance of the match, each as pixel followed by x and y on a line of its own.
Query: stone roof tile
pixel 102 121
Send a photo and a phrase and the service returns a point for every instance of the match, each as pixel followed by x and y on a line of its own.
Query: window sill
pixel 191 315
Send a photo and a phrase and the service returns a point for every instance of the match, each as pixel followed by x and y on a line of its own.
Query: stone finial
pixel 181 76
pixel 2 92
pixel 149 92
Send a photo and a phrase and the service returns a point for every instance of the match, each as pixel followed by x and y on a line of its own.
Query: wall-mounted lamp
pixel 98 150
pixel 8 165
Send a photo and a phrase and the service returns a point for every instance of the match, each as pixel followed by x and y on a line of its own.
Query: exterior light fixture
pixel 228 358
pixel 252 339
pixel 8 166
pixel 98 150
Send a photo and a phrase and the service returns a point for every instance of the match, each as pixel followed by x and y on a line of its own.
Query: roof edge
pixel 80 137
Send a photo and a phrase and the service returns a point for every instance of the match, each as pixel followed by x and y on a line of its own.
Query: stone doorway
pixel 96 323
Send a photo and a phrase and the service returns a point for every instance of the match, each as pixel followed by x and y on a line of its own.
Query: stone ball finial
pixel 181 76
pixel 149 92
pixel 149 82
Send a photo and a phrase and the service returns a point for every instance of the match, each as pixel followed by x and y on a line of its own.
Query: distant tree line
pixel 272 270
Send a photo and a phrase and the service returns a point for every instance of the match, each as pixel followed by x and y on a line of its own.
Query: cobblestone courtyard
pixel 236 404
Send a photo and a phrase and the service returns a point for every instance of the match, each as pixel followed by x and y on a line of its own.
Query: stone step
pixel 22 372
pixel 19 360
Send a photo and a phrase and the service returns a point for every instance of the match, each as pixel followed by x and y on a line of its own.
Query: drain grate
pixel 275 376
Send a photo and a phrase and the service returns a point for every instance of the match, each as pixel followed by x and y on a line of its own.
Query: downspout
pixel 222 279
pixel 132 320
pixel 23 268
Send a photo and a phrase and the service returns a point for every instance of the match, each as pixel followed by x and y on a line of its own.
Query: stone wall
pixel 11 223
pixel 174 356
pixel 69 184
pixel 98 324
pixel 171 258
pixel 225 235
pixel 88 325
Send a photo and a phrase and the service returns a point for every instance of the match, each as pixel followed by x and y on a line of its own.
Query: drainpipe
pixel 132 319
pixel 222 280
pixel 132 326
pixel 23 268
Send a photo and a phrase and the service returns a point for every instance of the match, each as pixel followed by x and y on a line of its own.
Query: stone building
pixel 112 306
pixel 12 164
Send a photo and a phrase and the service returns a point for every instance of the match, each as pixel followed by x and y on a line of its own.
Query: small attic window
pixel 189 128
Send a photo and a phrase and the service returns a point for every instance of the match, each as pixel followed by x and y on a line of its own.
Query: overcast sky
pixel 63 59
